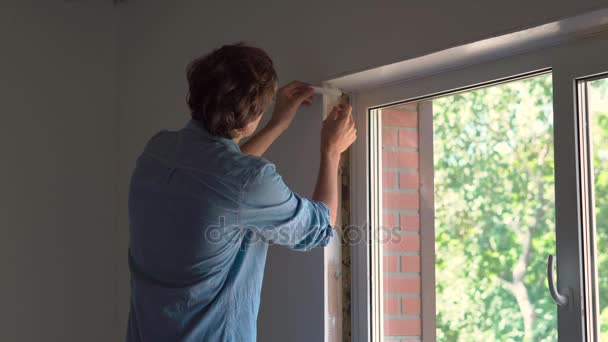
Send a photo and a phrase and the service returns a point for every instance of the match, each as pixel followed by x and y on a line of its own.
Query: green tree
pixel 494 198
pixel 598 104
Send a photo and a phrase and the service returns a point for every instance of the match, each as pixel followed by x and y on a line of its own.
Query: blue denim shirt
pixel 201 215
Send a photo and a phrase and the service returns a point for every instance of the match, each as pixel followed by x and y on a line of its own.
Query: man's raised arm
pixel 288 101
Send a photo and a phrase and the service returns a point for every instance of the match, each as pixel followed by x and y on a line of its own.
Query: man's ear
pixel 236 133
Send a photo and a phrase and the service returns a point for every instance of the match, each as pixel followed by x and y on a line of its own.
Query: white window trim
pixel 563 52
pixel 427 218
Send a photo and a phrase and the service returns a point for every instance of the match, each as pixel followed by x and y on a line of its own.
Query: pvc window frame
pixel 575 58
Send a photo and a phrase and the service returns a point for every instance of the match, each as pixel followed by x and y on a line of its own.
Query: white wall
pixel 309 40
pixel 63 261
pixel 58 142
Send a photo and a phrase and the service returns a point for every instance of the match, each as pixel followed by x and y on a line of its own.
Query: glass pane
pixel 494 214
pixel 598 111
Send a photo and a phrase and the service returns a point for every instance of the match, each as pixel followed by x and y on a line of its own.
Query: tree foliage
pixel 495 213
pixel 495 210
pixel 598 104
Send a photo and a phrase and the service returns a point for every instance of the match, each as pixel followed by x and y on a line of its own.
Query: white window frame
pixel 570 55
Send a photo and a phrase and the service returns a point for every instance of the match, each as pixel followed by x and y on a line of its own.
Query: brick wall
pixel 401 220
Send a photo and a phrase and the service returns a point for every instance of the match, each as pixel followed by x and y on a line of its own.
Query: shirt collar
pixel 199 128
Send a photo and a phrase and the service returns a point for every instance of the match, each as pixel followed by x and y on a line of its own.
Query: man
pixel 202 209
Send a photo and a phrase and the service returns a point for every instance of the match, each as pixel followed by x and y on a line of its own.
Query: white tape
pixel 331 97
pixel 327 91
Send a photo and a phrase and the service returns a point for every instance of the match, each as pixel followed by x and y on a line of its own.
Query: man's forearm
pixel 261 141
pixel 326 190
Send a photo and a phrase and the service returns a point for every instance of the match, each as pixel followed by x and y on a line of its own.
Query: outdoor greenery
pixel 495 211
pixel 598 104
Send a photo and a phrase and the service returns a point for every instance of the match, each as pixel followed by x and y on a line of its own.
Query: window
pixel 468 183
pixel 494 212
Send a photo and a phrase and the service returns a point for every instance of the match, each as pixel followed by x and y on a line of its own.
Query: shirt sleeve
pixel 270 209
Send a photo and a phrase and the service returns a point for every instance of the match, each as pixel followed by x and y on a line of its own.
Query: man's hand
pixel 338 131
pixel 288 101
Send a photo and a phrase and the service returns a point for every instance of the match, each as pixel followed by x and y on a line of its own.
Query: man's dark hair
pixel 230 87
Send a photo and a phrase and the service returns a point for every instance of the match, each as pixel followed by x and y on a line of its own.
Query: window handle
pixel 558 298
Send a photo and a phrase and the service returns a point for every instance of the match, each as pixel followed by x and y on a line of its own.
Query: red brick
pixel 389 179
pixel 406 159
pixel 400 200
pixel 410 222
pixel 391 306
pixel 402 326
pixel 410 263
pixel 409 180
pixel 408 138
pixel 390 263
pixel 411 306
pixel 389 136
pixel 389 220
pixel 402 243
pixel 399 117
pixel 401 285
